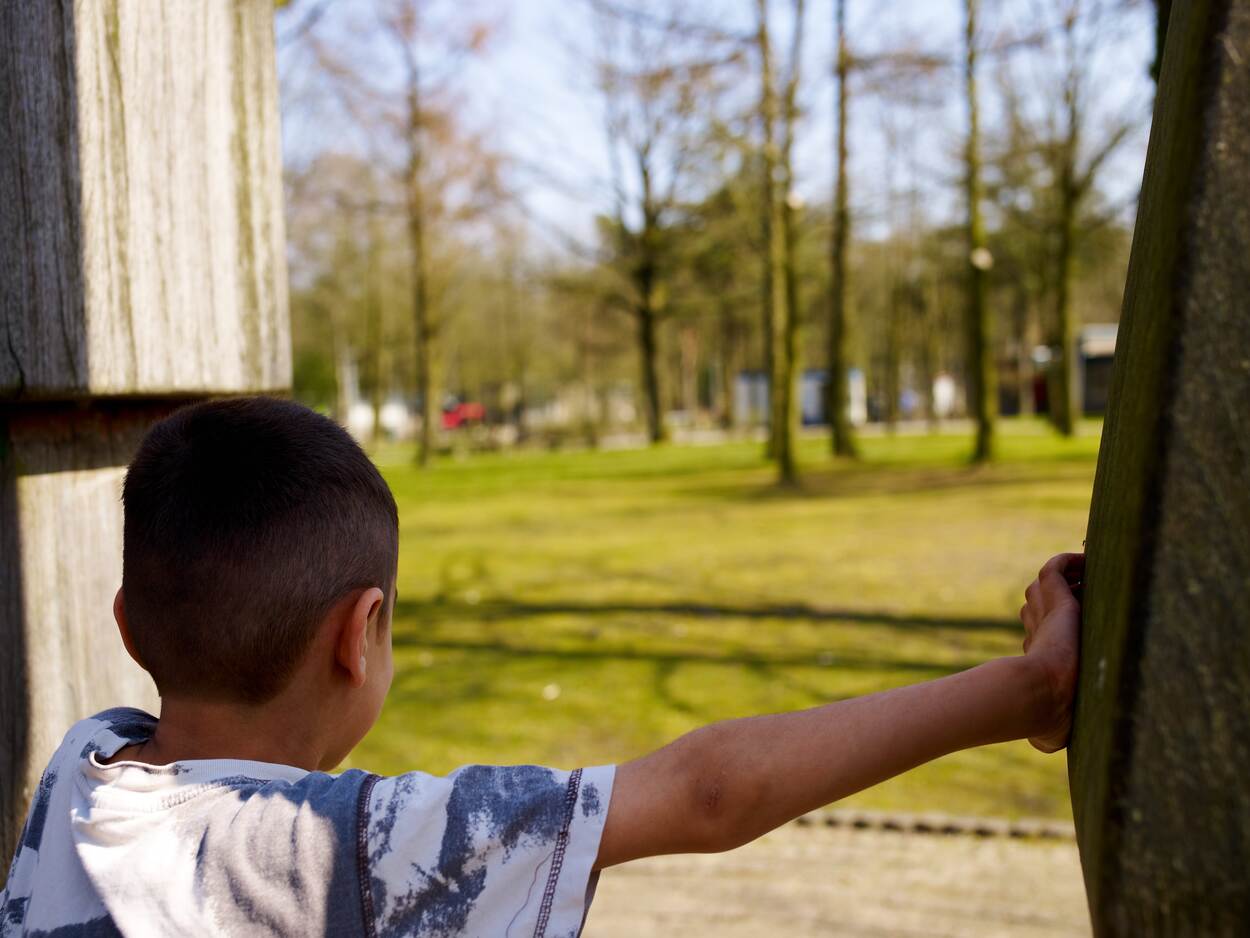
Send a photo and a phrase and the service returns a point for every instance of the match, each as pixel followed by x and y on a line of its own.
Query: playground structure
pixel 143 256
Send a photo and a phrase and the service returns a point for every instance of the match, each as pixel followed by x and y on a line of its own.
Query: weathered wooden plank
pixel 141 260
pixel 143 232
pixel 1161 755
pixel 14 693
pixel 61 468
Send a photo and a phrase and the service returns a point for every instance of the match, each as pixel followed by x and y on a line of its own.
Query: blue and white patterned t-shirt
pixel 222 846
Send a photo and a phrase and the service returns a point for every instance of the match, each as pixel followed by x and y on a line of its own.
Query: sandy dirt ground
pixel 808 881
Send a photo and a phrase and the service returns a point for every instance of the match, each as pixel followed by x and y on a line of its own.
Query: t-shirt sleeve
pixel 488 850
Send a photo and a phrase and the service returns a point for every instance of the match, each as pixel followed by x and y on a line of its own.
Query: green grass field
pixel 580 608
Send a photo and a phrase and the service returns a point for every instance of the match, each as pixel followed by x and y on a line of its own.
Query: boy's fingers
pixel 1074 569
pixel 1033 593
pixel 1028 618
pixel 1053 580
pixel 1069 564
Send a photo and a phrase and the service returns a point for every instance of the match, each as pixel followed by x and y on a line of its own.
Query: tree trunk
pixel 590 411
pixel 373 302
pixel 980 365
pixel 788 378
pixel 647 312
pixel 928 358
pixel 1024 356
pixel 772 281
pixel 647 316
pixel 689 350
pixel 344 375
pixel 1064 391
pixel 780 240
pixel 767 306
pixel 837 391
pixel 423 328
pixel 648 353
pixel 893 286
pixel 424 331
pixel 774 239
pixel 893 356
pixel 787 455
pixel 519 357
pixel 728 362
pixel 1159 756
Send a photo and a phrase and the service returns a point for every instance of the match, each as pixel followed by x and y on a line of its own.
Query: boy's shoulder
pixel 467 853
pixel 96 733
pixel 45 852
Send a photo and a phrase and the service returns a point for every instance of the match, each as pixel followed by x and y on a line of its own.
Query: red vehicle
pixel 462 415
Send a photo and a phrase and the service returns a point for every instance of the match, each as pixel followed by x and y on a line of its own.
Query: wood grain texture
pixel 14 692
pixel 1160 756
pixel 61 469
pixel 142 236
pixel 141 262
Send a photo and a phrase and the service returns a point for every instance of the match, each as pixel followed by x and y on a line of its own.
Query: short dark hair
pixel 246 520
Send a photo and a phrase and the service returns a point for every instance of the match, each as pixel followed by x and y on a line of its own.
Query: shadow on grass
pixel 601 651
pixel 662 684
pixel 886 479
pixel 497 610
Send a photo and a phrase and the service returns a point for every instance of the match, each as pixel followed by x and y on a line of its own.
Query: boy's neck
pixel 207 729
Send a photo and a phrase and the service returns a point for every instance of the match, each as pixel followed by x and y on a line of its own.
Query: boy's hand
pixel 1052 623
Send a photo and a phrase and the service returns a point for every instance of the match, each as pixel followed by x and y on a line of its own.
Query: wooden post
pixel 1161 753
pixel 141 266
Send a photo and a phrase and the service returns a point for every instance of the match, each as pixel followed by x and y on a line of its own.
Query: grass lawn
pixel 580 608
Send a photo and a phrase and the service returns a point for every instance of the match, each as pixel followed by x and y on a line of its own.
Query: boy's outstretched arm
pixel 723 785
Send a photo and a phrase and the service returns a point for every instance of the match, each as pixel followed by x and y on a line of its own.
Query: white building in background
pixel 1096 345
pixel 813 388
pixel 397 419
pixel 751 397
pixel 945 395
pixel 1095 354
pixel 578 404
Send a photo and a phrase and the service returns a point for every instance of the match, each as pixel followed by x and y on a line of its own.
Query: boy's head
pixel 249 523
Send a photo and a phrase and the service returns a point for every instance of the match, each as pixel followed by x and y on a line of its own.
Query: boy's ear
pixel 119 613
pixel 352 649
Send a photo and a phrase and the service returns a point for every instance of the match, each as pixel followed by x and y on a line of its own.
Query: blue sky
pixel 532 96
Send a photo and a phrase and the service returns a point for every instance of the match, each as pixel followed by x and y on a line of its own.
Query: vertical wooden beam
pixel 142 265
pixel 1161 753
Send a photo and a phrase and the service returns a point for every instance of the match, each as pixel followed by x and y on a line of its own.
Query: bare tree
pixel 376 344
pixel 718 234
pixel 837 391
pixel 657 76
pixel 343 277
pixel 885 74
pixel 778 115
pixel 1074 180
pixel 438 175
pixel 1021 252
pixel 980 365
pixel 418 125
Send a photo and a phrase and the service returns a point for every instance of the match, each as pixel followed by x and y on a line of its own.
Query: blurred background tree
pixel 631 219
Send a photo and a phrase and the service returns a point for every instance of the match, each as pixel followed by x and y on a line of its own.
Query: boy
pixel 258 583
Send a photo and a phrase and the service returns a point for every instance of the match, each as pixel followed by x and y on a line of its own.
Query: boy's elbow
pixel 725 797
